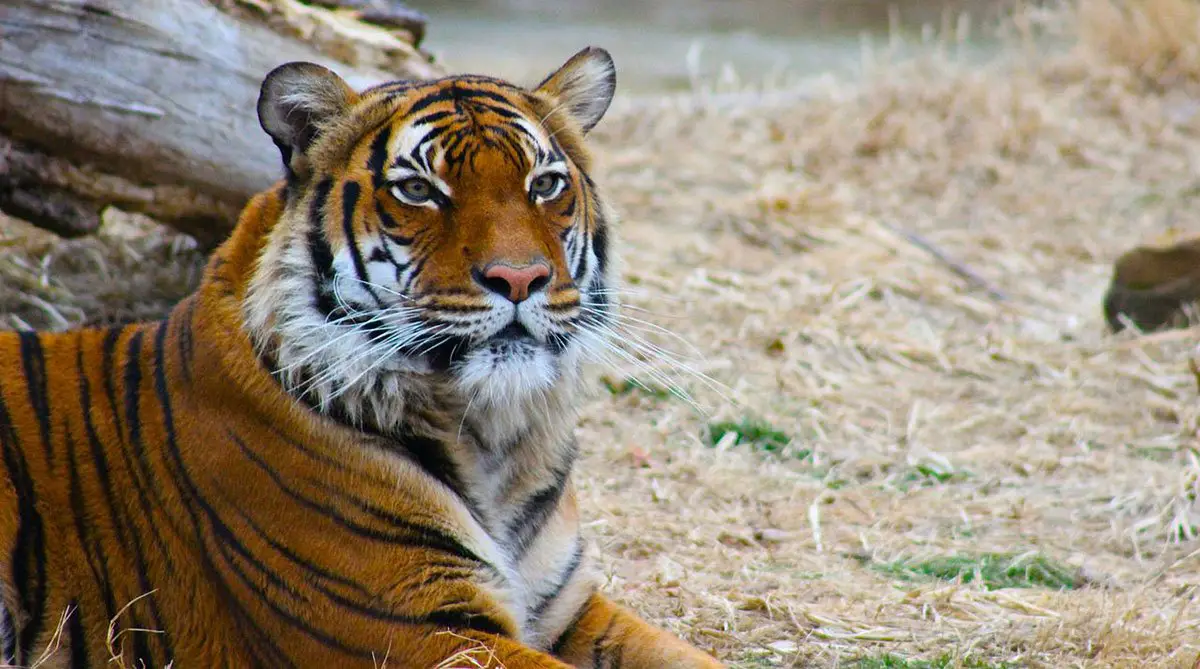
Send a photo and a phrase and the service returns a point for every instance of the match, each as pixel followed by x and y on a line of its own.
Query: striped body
pixel 353 445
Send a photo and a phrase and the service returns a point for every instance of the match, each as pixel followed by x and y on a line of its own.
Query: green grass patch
pixel 630 386
pixel 946 661
pixel 993 570
pixel 926 475
pixel 756 434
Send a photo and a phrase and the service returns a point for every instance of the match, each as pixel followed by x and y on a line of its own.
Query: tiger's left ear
pixel 296 102
pixel 584 86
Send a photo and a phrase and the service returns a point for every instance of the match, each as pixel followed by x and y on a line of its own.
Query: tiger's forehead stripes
pixel 458 120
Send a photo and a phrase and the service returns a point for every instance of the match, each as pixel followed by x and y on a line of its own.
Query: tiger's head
pixel 443 227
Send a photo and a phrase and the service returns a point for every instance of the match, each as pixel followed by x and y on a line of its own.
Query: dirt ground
pixel 925 469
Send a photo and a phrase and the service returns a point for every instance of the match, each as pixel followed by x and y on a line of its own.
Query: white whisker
pixel 642 325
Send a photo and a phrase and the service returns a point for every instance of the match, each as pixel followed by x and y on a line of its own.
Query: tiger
pixel 353 444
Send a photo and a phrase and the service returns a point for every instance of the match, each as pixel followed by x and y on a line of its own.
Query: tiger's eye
pixel 546 186
pixel 414 190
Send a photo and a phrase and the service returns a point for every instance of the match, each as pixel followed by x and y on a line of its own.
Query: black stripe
pixel 34 363
pixel 451 146
pixel 228 540
pixel 559 307
pixel 386 253
pixel 600 243
pixel 186 343
pixel 525 527
pixel 564 637
pixel 285 153
pixel 416 155
pixel 564 578
pixel 471 94
pixel 434 457
pixel 133 380
pixel 438 95
pixel 444 353
pixel 377 161
pixel 507 114
pixel 429 119
pixel 92 550
pixel 462 308
pixel 318 248
pixel 100 462
pixel 436 572
pixel 389 224
pixel 350 192
pixel 467 620
pixel 430 534
pixel 513 152
pixel 405 162
pixel 142 657
pixel 264 595
pixel 409 533
pixel 29 550
pixel 79 654
pixel 580 261
pixel 414 270
pixel 598 649
pixel 136 464
pixel 108 357
pixel 316 570
pixel 334 463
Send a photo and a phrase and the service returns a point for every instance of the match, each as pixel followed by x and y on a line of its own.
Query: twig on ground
pixel 953 265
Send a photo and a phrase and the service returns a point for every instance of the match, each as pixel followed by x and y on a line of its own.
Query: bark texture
pixel 149 105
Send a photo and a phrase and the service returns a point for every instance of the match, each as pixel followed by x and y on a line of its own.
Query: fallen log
pixel 149 105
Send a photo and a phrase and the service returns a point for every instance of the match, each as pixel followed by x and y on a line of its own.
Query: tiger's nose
pixel 516 283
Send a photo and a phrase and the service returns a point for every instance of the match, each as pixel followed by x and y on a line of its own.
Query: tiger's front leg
pixel 606 634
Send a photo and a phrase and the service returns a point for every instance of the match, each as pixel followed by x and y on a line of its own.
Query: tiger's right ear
pixel 296 102
pixel 583 86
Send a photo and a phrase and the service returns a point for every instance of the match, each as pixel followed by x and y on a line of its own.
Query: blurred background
pixel 670 44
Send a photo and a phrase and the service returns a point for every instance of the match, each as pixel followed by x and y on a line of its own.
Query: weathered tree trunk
pixel 148 105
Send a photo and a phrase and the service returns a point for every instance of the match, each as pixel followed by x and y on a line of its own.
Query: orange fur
pixel 162 477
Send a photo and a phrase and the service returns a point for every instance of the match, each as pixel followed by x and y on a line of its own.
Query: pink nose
pixel 516 283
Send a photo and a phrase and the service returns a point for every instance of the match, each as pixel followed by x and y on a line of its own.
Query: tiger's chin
pixel 506 370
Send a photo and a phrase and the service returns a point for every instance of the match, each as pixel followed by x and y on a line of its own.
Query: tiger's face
pixel 433 227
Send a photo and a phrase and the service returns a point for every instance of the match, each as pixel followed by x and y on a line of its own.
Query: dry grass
pixel 914 416
pixel 132 270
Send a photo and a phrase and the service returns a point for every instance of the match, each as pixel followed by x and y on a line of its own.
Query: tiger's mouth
pixel 516 340
pixel 514 343
pixel 513 332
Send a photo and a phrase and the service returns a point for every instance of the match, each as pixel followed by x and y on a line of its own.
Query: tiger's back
pixel 354 441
